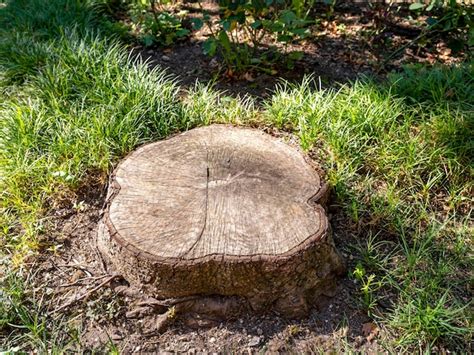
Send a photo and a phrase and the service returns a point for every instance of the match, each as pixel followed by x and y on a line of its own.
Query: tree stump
pixel 221 211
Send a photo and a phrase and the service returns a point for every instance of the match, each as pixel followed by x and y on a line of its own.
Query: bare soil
pixel 118 313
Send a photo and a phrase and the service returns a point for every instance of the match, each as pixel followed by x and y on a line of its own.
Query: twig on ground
pixel 85 295
pixel 153 302
pixel 76 266
pixel 80 282
pixel 97 252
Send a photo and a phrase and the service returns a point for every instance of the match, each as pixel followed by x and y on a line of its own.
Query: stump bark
pixel 221 211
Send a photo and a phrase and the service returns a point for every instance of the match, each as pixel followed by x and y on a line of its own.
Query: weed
pixel 243 25
pixel 368 286
pixel 424 321
pixel 24 321
pixel 156 25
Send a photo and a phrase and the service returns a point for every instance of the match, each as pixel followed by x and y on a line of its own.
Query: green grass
pixel 400 162
pixel 62 124
pixel 399 157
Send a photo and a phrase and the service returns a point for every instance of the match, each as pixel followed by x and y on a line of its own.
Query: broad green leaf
pixel 284 38
pixel 224 41
pixel 182 32
pixel 431 21
pixel 197 23
pixel 302 32
pixel 209 47
pixel 256 24
pixel 274 26
pixel 456 45
pixel 416 6
pixel 288 16
pixel 297 55
pixel 226 25
pixel 148 40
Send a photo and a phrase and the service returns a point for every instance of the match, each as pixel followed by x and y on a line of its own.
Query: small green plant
pixel 423 320
pixel 156 25
pixel 450 18
pixel 112 348
pixel 293 330
pixel 24 318
pixel 368 286
pixel 244 24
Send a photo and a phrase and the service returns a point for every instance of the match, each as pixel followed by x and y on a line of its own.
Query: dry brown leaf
pixel 229 73
pixel 247 76
pixel 370 330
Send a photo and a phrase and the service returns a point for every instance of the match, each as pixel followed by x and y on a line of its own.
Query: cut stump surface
pixel 224 211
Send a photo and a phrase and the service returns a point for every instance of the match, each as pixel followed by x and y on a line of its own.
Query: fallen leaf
pixel 370 331
pixel 229 73
pixel 247 76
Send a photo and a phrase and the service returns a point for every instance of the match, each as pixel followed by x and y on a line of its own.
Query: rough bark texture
pixel 221 211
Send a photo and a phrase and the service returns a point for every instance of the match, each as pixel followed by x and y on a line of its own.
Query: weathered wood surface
pixel 223 211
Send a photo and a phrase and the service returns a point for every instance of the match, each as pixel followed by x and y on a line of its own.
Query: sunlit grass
pixel 401 167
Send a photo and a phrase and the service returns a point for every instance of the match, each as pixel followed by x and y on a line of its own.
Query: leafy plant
pixel 450 18
pixel 156 25
pixel 422 320
pixel 244 24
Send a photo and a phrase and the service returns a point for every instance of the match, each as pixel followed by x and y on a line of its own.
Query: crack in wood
pixel 206 211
